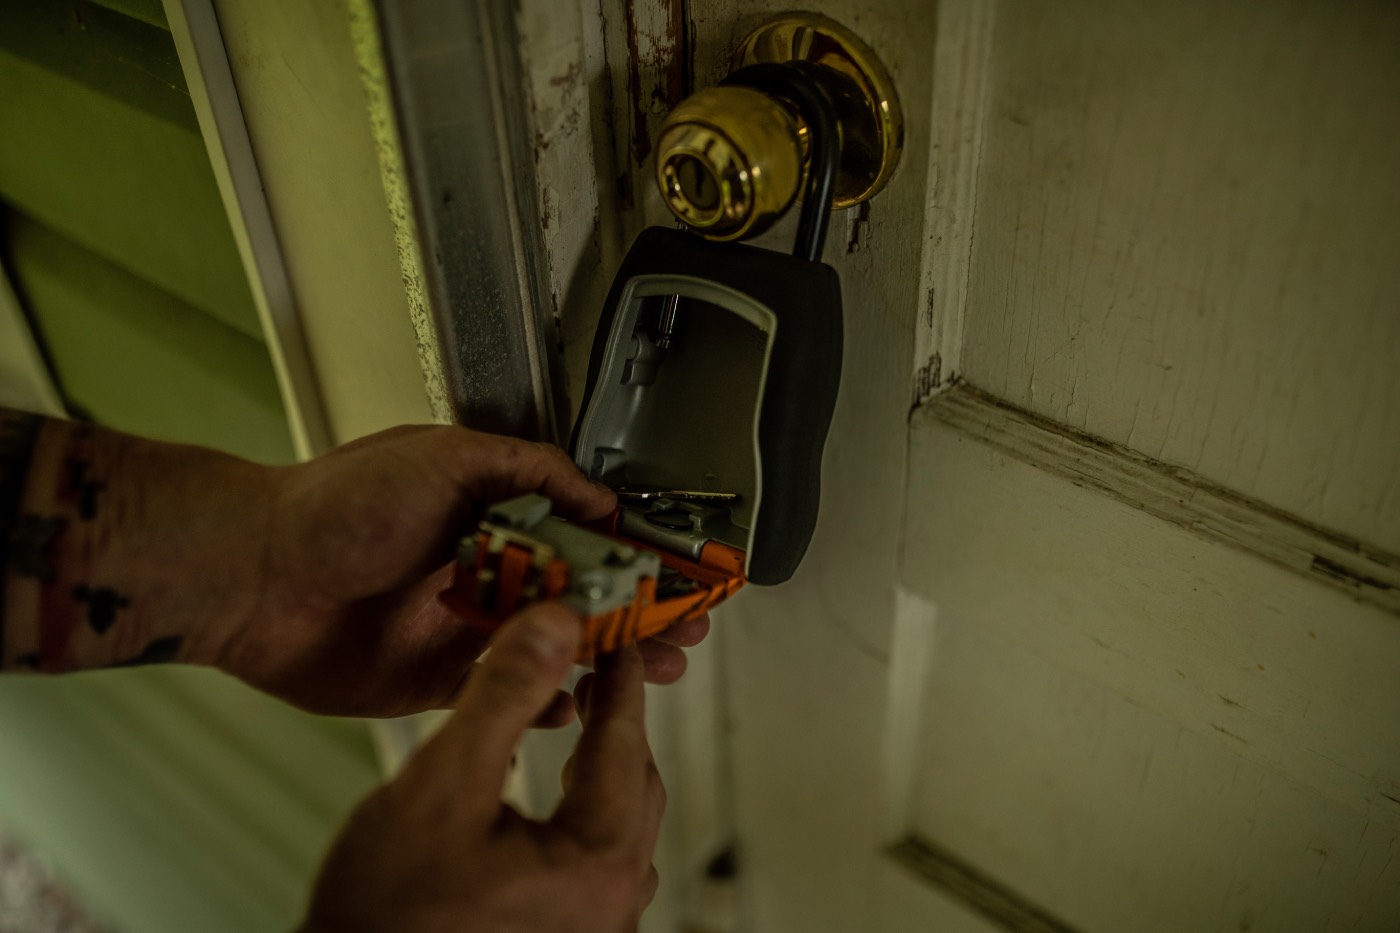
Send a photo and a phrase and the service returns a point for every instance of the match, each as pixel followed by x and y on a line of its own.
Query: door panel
pixel 1165 227
pixel 1136 727
pixel 1186 225
pixel 997 694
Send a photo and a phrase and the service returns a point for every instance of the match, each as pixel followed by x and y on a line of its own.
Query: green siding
pixel 101 144
pixel 151 12
pixel 176 799
pixel 171 799
pixel 139 359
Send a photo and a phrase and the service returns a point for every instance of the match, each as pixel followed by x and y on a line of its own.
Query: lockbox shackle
pixel 792 82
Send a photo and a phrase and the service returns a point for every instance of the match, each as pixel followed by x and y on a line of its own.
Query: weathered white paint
pixel 961 66
pixel 1177 495
pixel 810 665
pixel 564 62
pixel 1185 242
pixel 646 71
pixel 1140 728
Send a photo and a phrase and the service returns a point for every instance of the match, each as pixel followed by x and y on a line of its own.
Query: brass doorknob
pixel 731 160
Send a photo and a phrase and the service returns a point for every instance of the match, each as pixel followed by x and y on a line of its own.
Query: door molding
pixel 955 878
pixel 447 99
pixel 1177 495
pixel 962 62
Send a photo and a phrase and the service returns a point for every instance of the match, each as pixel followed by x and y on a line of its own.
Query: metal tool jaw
pixel 625 591
pixel 587 571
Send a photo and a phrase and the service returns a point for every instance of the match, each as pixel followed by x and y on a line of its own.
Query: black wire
pixel 792 81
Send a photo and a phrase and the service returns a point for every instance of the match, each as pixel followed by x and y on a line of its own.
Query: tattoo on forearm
pixel 57 518
pixel 82 488
pixel 103 604
pixel 18 433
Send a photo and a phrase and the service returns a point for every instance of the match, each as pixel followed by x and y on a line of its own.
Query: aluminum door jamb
pixel 455 85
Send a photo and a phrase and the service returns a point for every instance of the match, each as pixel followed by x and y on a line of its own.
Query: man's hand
pixel 361 542
pixel 435 849
pixel 317 583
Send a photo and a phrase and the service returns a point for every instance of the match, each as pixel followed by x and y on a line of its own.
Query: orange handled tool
pixel 625 589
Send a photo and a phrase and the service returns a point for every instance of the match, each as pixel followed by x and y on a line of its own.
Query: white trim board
pixel 962 60
pixel 1175 494
pixel 200 44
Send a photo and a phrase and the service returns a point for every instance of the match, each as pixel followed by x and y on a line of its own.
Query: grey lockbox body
pixel 685 417
pixel 739 402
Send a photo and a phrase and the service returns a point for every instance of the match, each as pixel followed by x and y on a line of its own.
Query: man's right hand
pixel 436 849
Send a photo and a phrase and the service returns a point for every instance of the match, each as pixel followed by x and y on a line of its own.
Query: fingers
pixel 598 696
pixel 581 691
pixel 686 634
pixel 609 798
pixel 559 713
pixel 649 886
pixel 662 656
pixel 498 468
pixel 663 663
pixel 512 687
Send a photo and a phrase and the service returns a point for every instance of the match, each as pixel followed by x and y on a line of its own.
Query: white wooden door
pixel 1099 627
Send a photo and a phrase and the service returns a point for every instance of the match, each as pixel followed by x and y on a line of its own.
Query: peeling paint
pixel 928 379
pixel 658 71
pixel 860 227
pixel 1177 495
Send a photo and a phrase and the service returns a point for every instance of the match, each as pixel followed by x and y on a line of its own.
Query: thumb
pixel 510 688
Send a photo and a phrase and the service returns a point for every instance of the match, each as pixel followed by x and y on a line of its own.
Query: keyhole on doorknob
pixel 697 184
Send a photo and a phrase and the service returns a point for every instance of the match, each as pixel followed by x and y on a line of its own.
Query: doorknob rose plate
pixel 872 124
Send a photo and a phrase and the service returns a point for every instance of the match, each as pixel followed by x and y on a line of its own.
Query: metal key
pixel 626 494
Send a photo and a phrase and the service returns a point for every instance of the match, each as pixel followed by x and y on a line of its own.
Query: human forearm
pixel 121 550
pixel 316 583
